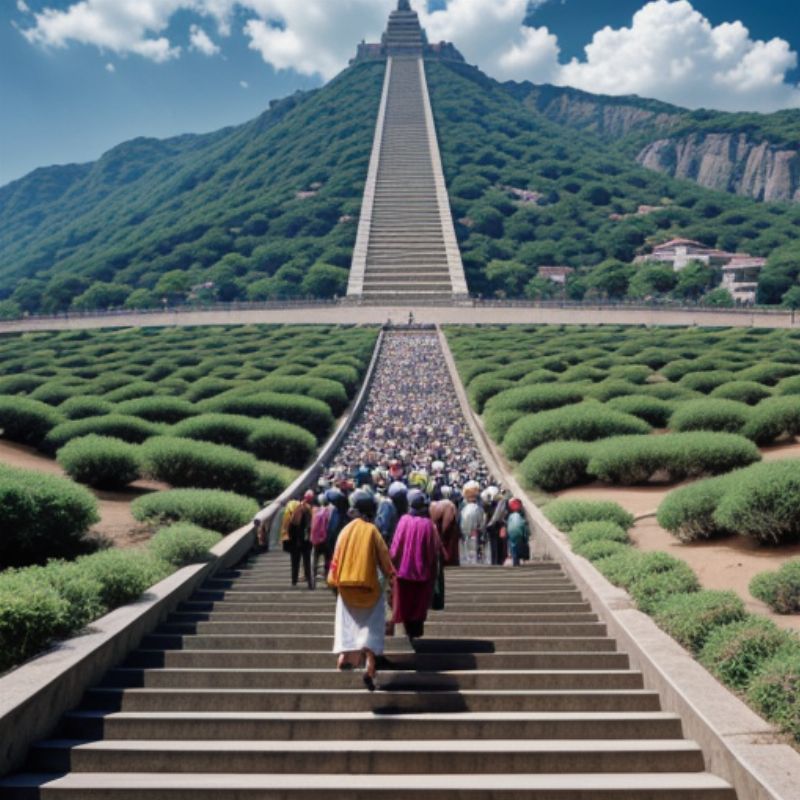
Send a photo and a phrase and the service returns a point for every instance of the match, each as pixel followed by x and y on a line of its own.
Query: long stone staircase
pixel 516 691
pixel 407 256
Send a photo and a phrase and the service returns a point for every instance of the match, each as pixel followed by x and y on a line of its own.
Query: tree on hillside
pixel 325 280
pixel 779 276
pixel 101 296
pixel 792 298
pixel 650 280
pixel 719 298
pixel 610 279
pixel 174 286
pixel 508 277
pixel 60 292
pixel 28 294
pixel 541 289
pixel 694 280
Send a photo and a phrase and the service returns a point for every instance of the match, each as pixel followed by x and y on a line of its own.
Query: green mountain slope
pixel 587 193
pixel 249 208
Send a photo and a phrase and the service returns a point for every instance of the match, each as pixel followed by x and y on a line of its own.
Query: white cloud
pixel 199 40
pixel 110 68
pixel 670 51
pixel 244 84
pixel 23 7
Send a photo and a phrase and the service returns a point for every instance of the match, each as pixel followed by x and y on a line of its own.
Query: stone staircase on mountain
pixel 407 249
pixel 516 691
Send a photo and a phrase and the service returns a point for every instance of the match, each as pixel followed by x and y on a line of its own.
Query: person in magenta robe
pixel 415 552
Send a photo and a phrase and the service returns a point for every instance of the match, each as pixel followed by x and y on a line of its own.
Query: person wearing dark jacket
pixel 299 542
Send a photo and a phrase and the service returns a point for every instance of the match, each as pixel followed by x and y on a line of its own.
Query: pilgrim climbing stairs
pixel 516 691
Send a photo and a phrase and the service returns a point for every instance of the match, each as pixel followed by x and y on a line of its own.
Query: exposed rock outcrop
pixel 728 162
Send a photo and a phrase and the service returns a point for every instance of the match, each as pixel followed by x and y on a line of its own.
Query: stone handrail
pixel 35 696
pixel 738 745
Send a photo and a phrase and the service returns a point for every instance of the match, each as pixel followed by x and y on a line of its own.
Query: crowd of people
pixel 407 496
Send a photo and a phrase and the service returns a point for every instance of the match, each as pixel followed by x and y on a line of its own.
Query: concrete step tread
pixel 113 691
pixel 586 784
pixel 384 745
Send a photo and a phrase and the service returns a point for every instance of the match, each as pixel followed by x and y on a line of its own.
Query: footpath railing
pixel 738 745
pixel 34 697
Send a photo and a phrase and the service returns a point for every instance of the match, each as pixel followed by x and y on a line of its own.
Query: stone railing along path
pixel 516 691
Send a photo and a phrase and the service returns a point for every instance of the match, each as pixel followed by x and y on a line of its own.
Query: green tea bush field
pixel 779 589
pixel 183 543
pixel 100 461
pixel 212 509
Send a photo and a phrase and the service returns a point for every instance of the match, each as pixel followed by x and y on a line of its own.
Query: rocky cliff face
pixel 728 163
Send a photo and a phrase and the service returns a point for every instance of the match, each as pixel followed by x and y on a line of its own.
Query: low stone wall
pixel 738 745
pixel 34 697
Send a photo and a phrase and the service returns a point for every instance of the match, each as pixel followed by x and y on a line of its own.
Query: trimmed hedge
pixel 44 516
pixel 219 511
pixel 131 390
pixel 775 692
pixel 532 399
pixel 83 407
pixel 565 514
pixel 484 388
pixel 282 442
pixel 631 460
pixel 309 413
pixel 583 422
pixel 736 653
pixel 688 513
pixel 158 409
pixel 498 421
pixel 228 429
pixel 184 543
pixel 764 503
pixel 599 549
pixel 710 415
pixel 100 461
pixel 56 392
pixel 272 480
pixel 609 389
pixel 747 392
pixel 773 419
pixel 788 386
pixel 556 465
pixel 651 591
pixel 26 421
pixel 653 411
pixel 780 589
pixel 691 618
pixel 130 429
pixel 200 465
pixel 585 532
pixel 768 373
pixel 706 382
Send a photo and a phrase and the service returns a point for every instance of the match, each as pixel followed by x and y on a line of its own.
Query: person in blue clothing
pixel 518 533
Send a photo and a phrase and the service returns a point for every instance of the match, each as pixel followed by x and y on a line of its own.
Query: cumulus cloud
pixel 670 51
pixel 23 7
pixel 110 68
pixel 199 40
pixel 244 84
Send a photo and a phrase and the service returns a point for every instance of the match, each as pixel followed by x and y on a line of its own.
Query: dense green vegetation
pixel 748 653
pixel 263 210
pixel 268 210
pixel 630 406
pixel 779 589
pixel 492 143
pixel 114 406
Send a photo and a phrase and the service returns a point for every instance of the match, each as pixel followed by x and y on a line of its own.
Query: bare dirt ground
pixel 117 524
pixel 728 564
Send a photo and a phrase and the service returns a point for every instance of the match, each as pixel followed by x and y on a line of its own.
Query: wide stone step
pixel 179 786
pixel 328 617
pixel 425 757
pixel 366 726
pixel 380 702
pixel 324 659
pixel 301 679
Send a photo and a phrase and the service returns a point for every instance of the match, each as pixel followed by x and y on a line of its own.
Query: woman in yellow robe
pixel 361 607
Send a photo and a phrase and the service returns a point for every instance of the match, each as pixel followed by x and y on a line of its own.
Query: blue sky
pixel 79 85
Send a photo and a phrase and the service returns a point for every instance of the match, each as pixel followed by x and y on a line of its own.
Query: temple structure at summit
pixel 406 249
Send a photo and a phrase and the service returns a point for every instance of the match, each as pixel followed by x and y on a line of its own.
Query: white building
pixel 679 252
pixel 740 277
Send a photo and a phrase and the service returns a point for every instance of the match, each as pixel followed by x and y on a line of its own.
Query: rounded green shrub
pixel 309 413
pixel 706 382
pixel 206 388
pixel 329 392
pixel 123 575
pixel 691 618
pixel 272 480
pixel 689 513
pixel 26 421
pixel 282 442
pixel 775 691
pixel 632 373
pixel 130 429
pixel 609 389
pixel 484 388
pixel 158 409
pixel 736 653
pixel 763 503
pixel 747 392
pixel 582 372
pixel 347 375
pixel 532 399
pixel 199 465
pixel 565 514
pixel 184 543
pixel 627 568
pixel 228 429
pixel 585 532
pixel 83 407
pixel 780 589
pixel 131 390
pixel 585 422
pixel 498 422
pixel 773 419
pixel 788 386
pixel 44 516
pixel 631 460
pixel 668 391
pixel 652 590
pixel 599 549
pixel 653 411
pixel 223 512
pixel 20 384
pixel 100 461
pixel 556 466
pixel 710 415
pixel 768 373
pixel 54 393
